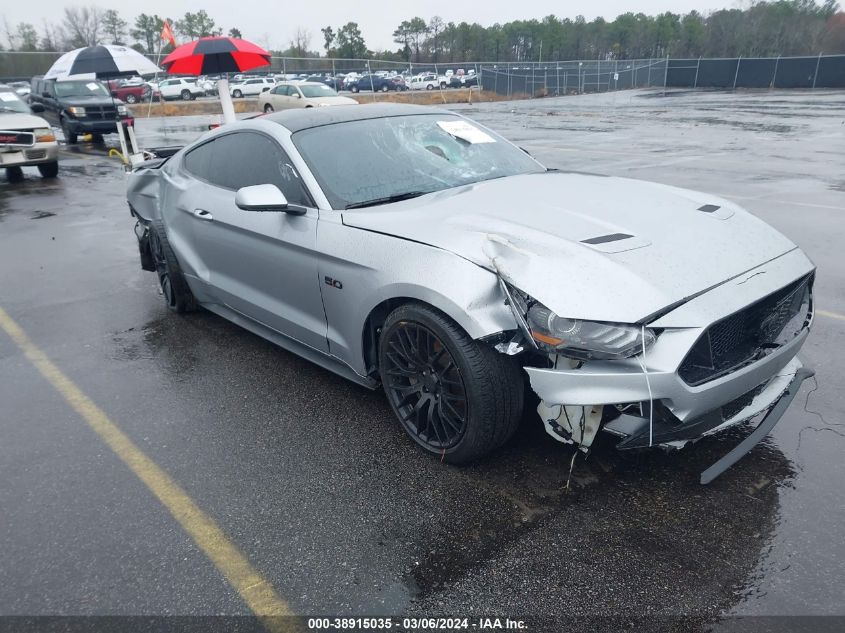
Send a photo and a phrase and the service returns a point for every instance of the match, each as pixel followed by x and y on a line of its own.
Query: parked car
pixel 208 84
pixel 463 81
pixel 184 88
pixel 25 139
pixel 130 92
pixel 336 83
pixel 289 94
pixel 425 253
pixel 79 107
pixel 251 87
pixel 22 88
pixel 429 81
pixel 376 83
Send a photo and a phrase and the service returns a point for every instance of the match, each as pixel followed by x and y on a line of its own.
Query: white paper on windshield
pixel 92 86
pixel 465 131
pixel 8 96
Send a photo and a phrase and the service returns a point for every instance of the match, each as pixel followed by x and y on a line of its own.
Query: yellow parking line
pixel 255 590
pixel 831 315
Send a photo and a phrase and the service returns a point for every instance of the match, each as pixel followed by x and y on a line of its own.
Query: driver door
pixel 261 264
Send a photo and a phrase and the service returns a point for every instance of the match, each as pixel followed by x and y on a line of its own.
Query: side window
pixel 199 161
pixel 243 159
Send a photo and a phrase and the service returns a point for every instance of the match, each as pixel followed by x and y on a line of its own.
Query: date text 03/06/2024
pixel 416 624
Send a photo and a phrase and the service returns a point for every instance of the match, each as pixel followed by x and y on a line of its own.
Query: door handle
pixel 202 214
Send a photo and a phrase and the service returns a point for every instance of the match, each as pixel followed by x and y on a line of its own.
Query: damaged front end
pixel 664 383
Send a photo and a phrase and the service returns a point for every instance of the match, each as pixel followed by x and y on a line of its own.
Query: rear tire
pixel 385 88
pixel 268 109
pixel 177 294
pixel 49 170
pixel 457 398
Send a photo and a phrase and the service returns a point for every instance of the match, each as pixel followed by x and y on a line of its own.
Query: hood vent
pixel 709 208
pixel 604 239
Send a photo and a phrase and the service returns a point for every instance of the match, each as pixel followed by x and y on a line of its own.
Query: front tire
pixel 186 95
pixel 385 88
pixel 70 137
pixel 354 89
pixel 237 94
pixel 429 87
pixel 130 98
pixel 177 294
pixel 49 170
pixel 457 398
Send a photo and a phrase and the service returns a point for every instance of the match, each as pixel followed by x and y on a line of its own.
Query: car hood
pixel 88 100
pixel 21 121
pixel 587 246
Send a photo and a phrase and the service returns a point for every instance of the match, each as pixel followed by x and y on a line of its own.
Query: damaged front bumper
pixel 659 427
pixel 661 399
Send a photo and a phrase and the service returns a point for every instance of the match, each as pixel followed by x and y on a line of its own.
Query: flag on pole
pixel 167 34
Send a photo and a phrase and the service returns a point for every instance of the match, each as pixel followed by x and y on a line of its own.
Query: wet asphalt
pixel 314 481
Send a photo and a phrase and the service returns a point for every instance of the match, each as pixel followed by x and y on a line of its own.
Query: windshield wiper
pixel 397 197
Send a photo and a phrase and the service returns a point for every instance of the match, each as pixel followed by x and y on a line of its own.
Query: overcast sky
pixel 273 24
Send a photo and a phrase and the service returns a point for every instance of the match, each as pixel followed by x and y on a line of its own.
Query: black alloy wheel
pixel 425 386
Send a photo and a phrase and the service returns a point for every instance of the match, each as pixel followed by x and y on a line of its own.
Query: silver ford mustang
pixel 414 248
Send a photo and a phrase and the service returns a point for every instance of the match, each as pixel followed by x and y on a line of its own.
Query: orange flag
pixel 167 33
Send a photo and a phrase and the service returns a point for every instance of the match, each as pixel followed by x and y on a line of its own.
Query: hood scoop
pixel 615 242
pixel 714 210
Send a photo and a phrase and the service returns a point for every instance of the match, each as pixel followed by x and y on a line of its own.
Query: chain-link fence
pixel 558 78
pixel 20 65
pixel 548 78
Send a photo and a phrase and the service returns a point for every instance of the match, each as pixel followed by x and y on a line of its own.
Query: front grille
pixel 35 154
pixel 101 113
pixel 748 335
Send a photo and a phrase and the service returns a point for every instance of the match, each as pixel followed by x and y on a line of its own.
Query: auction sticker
pixel 465 131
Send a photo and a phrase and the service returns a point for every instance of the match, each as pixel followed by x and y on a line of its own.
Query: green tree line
pixel 764 28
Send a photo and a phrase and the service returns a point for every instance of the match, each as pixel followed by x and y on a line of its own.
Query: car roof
pixel 305 118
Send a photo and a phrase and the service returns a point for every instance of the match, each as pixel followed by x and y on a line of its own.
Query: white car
pixel 251 87
pixel 289 94
pixel 209 86
pixel 25 140
pixel 180 88
pixel 429 82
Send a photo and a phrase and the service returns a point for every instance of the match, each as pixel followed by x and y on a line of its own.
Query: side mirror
pixel 46 94
pixel 261 198
pixel 36 107
pixel 295 95
pixel 114 94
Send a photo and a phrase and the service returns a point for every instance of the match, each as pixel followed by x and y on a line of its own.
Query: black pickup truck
pixel 79 106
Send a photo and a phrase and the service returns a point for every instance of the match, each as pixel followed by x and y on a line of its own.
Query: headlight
pixel 583 340
pixel 122 109
pixel 44 135
pixel 76 111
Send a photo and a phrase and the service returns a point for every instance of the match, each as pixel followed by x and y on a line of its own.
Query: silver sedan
pixel 289 95
pixel 415 249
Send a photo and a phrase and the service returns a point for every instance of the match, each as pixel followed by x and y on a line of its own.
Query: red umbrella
pixel 213 55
